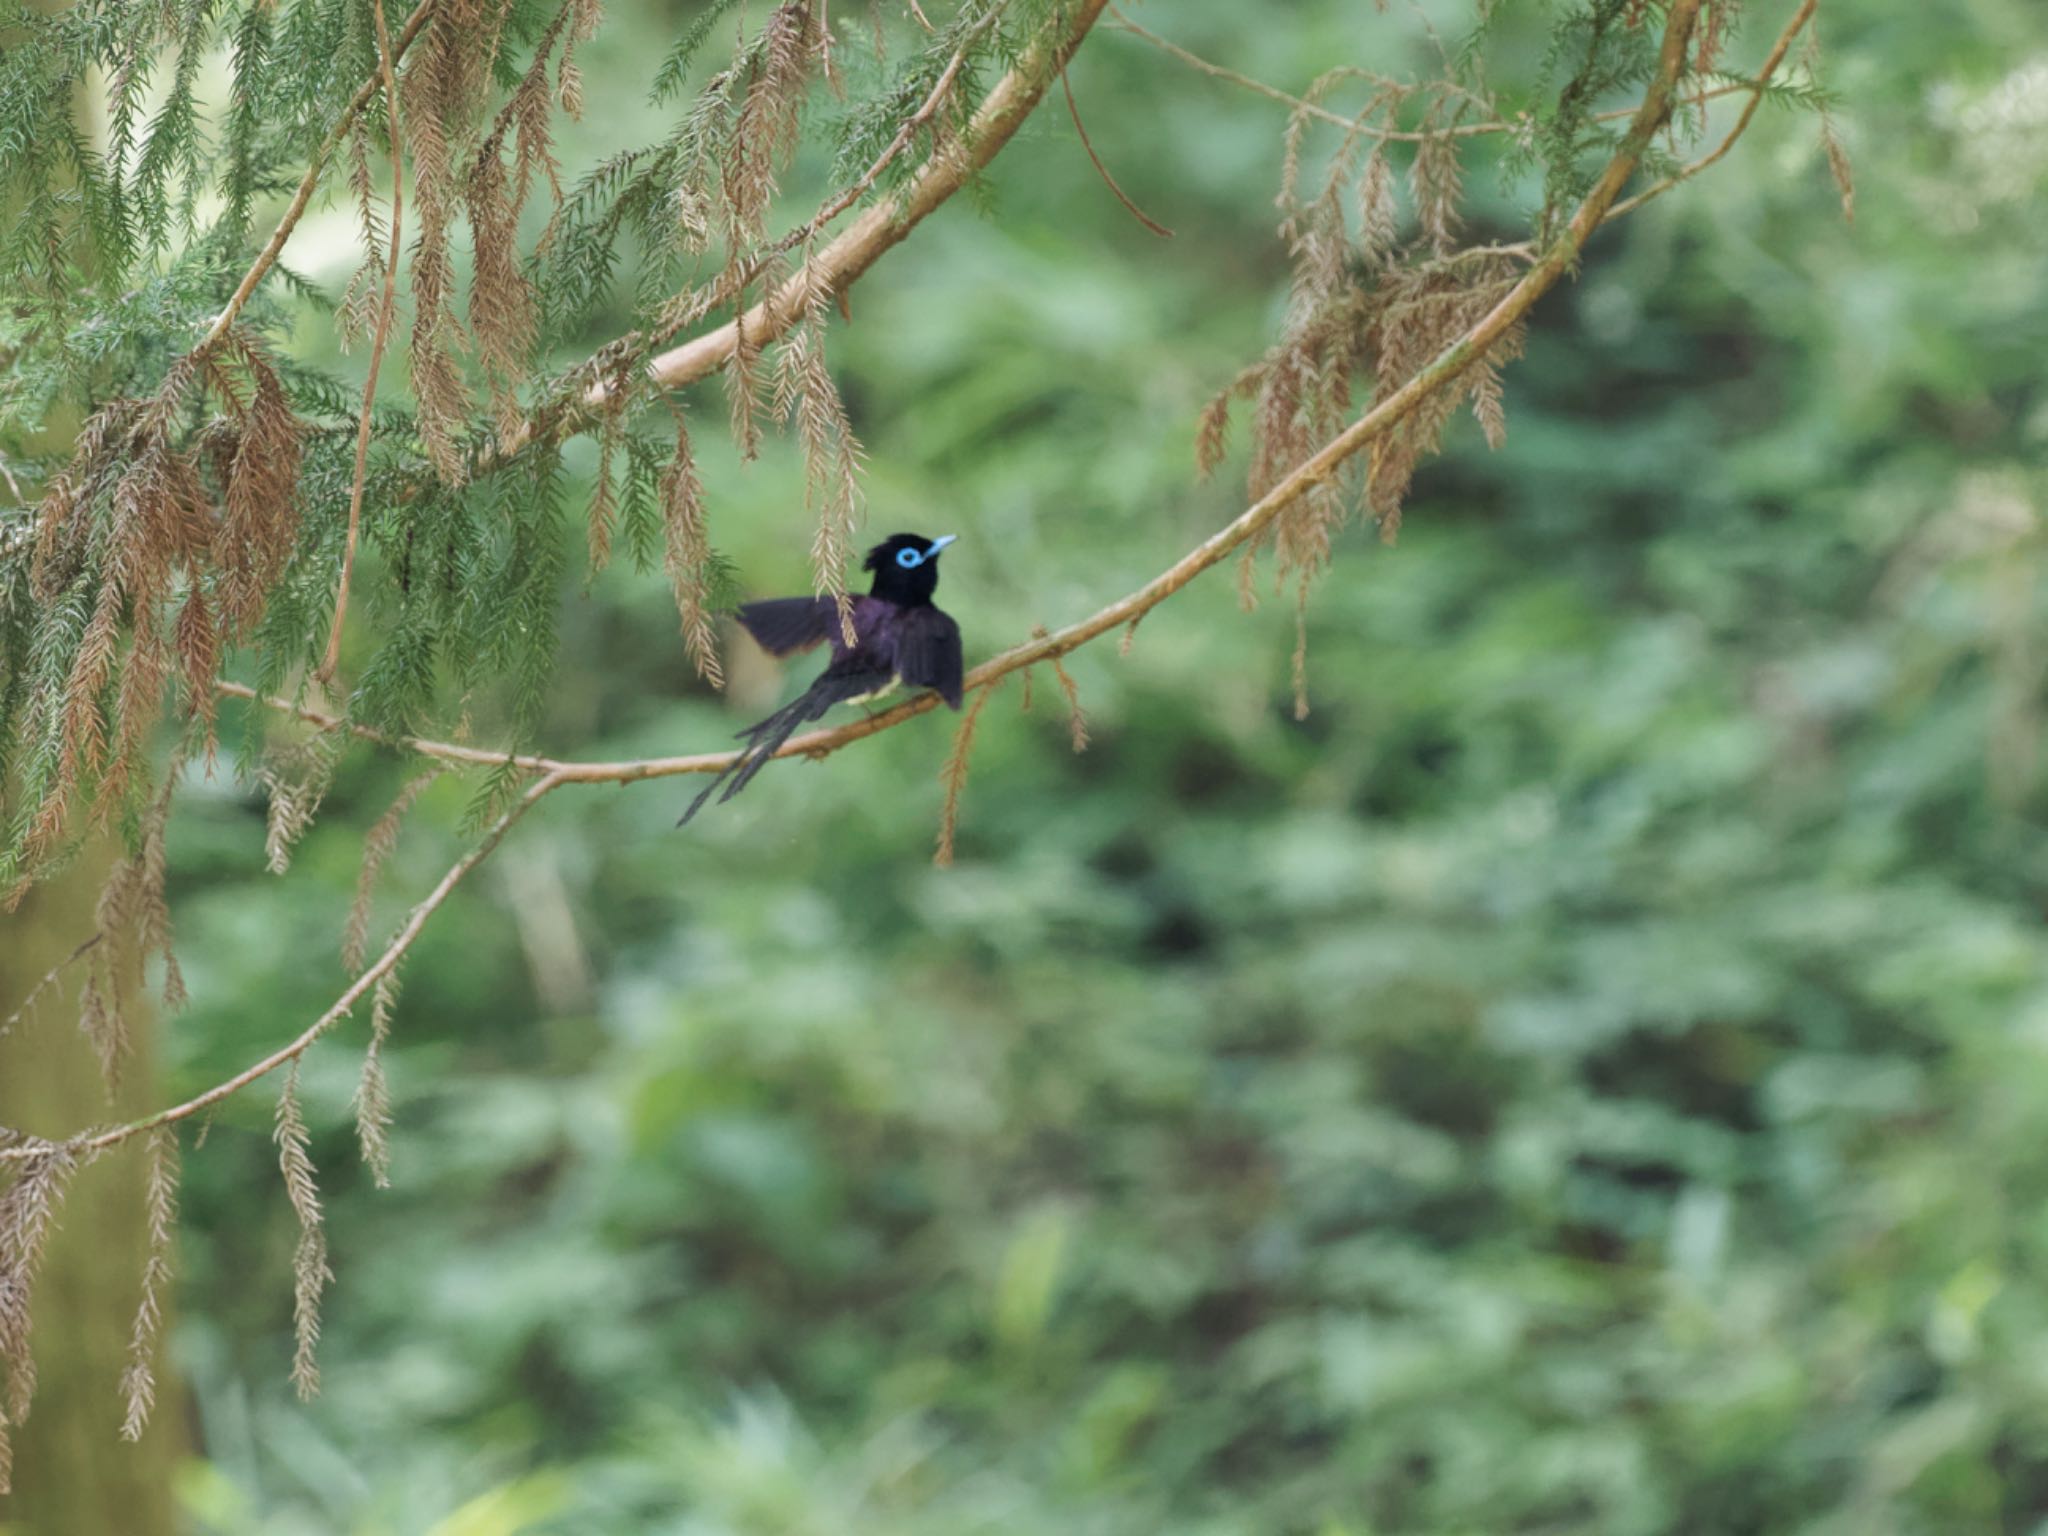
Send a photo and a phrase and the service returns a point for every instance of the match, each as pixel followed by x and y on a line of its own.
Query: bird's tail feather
pixel 764 738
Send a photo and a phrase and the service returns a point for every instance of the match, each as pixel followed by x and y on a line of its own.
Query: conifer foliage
pixel 201 514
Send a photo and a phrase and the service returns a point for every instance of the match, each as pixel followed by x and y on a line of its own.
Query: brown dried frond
pixel 1077 718
pixel 135 920
pixel 502 313
pixel 197 643
pixel 101 1019
pixel 138 1381
pixel 1427 309
pixel 296 777
pixel 378 844
pixel 686 554
pixel 501 308
pixel 954 775
pixel 604 497
pixel 1717 20
pixel 1435 177
pixel 61 534
pixel 1487 407
pixel 767 130
pixel 259 515
pixel 1212 435
pixel 28 1206
pixel 438 89
pixel 1838 164
pixel 1379 209
pixel 154 518
pixel 807 394
pixel 1385 99
pixel 743 389
pixel 587 16
pixel 1305 385
pixel 144 673
pixel 310 1273
pixel 153 928
pixel 1248 574
pixel 1300 663
pixel 358 309
pixel 362 186
pixel 373 1091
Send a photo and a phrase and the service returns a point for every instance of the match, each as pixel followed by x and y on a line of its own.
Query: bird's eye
pixel 909 559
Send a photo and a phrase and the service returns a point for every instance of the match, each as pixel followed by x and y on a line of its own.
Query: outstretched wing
pixel 928 652
pixel 785 625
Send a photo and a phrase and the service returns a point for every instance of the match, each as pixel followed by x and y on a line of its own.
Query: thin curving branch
pixel 99 1141
pixel 388 302
pixel 1317 470
pixel 1196 62
pixel 50 979
pixel 1756 91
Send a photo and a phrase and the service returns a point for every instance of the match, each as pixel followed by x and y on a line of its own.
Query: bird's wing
pixel 785 625
pixel 928 652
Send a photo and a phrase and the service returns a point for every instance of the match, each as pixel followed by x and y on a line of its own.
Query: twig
pixel 1311 109
pixel 49 980
pixel 444 750
pixel 1102 170
pixel 1756 91
pixel 359 988
pixel 355 490
pixel 1318 469
pixel 275 246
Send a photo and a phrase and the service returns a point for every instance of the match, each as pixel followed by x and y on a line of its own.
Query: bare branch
pixel 1074 111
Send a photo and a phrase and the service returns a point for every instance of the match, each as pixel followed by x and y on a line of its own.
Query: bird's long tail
pixel 765 737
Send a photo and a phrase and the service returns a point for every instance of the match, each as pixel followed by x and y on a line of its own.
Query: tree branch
pixel 359 988
pixel 1318 469
pixel 1756 91
pixel 884 225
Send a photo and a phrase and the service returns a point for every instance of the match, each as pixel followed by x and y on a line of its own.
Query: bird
pixel 899 637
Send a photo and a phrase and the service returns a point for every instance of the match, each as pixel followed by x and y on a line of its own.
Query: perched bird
pixel 898 637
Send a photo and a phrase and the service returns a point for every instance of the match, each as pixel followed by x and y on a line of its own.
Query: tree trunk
pixel 73 1474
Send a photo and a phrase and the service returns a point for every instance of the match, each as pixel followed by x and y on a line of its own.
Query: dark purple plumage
pixel 899 637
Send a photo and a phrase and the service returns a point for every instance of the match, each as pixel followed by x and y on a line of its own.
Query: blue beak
pixel 939 544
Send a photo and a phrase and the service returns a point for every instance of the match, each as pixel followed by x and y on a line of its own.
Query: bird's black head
pixel 906 567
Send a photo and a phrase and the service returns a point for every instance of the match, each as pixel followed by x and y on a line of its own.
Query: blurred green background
pixel 1589 1076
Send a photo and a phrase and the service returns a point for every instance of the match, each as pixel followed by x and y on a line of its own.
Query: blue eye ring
pixel 909 559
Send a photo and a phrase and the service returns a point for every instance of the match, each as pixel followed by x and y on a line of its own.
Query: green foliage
pixel 1581 1077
